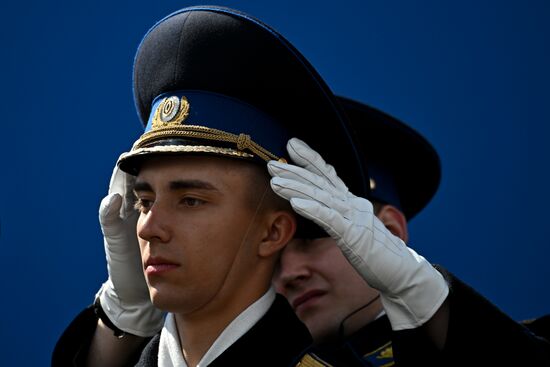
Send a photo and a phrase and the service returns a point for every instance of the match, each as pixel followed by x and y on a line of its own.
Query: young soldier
pixel 212 87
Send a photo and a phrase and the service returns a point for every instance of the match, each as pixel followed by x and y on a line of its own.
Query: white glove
pixel 411 289
pixel 124 296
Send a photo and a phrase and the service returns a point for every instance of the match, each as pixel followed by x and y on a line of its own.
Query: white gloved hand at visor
pixel 124 296
pixel 411 289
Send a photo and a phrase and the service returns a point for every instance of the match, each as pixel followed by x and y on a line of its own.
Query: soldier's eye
pixel 143 205
pixel 191 202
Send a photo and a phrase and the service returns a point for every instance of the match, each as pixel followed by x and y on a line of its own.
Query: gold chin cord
pixel 248 228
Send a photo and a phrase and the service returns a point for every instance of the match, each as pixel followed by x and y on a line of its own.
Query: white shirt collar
pixel 170 353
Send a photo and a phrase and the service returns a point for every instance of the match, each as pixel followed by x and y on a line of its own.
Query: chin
pixel 164 299
pixel 321 332
pixel 157 298
pixel 174 301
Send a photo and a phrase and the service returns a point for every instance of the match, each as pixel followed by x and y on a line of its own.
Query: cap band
pixel 205 122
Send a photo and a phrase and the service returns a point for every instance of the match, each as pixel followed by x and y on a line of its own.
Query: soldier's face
pixel 195 232
pixel 323 288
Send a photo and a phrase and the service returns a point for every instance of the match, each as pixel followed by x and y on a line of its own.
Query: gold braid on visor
pixel 243 142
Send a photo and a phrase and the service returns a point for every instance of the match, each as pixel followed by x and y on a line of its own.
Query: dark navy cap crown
pixel 222 62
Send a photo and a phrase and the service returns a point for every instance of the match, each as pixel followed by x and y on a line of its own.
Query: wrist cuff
pixel 105 319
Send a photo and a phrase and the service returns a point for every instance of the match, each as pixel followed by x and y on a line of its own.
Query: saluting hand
pixel 124 296
pixel 411 289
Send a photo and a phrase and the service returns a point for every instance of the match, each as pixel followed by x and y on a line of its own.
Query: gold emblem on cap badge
pixel 171 111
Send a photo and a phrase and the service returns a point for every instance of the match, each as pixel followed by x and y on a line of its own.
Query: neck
pixel 361 317
pixel 196 337
pixel 199 330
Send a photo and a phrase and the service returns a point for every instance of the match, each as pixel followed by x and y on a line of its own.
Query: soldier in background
pixel 363 294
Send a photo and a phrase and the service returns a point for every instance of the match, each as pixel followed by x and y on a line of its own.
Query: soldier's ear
pixel 281 226
pixel 395 221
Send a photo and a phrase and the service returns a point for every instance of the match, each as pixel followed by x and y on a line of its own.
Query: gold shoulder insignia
pixel 311 360
pixel 382 356
pixel 386 353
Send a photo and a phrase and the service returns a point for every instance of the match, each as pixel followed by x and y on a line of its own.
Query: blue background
pixel 471 76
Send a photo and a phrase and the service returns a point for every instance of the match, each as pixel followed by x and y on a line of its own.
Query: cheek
pixel 210 242
pixel 350 290
pixel 205 252
pixel 142 247
pixel 139 227
pixel 228 234
pixel 342 278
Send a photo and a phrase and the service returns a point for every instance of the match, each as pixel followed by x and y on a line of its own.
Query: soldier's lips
pixel 159 265
pixel 307 299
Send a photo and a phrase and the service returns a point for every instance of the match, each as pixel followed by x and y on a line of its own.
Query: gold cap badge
pixel 171 111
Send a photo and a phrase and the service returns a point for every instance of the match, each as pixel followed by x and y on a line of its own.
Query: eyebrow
pixel 142 186
pixel 191 184
pixel 177 185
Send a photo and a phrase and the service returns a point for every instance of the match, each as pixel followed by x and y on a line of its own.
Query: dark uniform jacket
pixel 479 334
pixel 276 340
